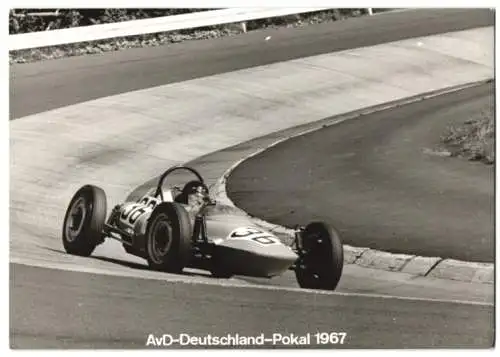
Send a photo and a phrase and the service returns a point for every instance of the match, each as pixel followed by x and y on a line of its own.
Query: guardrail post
pixel 244 26
pixel 370 11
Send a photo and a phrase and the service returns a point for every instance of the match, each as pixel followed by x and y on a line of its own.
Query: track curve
pixel 41 86
pixel 381 181
pixel 102 141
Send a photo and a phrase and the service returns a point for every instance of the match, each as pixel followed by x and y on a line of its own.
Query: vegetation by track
pixel 31 20
pixel 474 139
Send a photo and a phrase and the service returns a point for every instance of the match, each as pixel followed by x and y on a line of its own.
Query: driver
pixel 195 196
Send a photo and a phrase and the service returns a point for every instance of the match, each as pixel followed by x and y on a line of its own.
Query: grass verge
pixel 475 139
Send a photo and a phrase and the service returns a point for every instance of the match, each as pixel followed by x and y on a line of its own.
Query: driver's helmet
pixel 194 192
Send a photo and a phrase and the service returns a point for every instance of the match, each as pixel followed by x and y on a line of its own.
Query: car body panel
pixel 240 245
pixel 249 250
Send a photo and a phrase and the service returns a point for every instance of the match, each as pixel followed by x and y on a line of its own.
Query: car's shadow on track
pixel 285 280
pixel 127 264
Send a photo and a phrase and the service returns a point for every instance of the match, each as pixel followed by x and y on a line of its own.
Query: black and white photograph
pixel 251 176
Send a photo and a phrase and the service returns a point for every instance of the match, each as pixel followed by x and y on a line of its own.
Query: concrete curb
pixel 419 266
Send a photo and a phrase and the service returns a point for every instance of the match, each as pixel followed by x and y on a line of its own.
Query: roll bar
pixel 159 191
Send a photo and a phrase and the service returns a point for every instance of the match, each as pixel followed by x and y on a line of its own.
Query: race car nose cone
pixel 249 257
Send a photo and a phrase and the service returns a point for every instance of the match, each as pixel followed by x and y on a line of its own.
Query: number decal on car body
pixel 136 214
pixel 131 213
pixel 245 232
pixel 254 234
pixel 149 202
pixel 126 212
pixel 264 240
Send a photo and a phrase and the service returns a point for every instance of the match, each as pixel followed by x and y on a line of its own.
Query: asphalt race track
pixel 381 181
pixel 66 309
pixel 42 86
pixel 115 312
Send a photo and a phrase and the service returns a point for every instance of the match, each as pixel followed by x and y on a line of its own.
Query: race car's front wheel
pixel 322 258
pixel 168 238
pixel 84 221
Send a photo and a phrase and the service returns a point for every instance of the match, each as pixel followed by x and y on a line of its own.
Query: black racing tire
pixel 168 238
pixel 84 221
pixel 322 263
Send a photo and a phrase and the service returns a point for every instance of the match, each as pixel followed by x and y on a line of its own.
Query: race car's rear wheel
pixel 168 238
pixel 84 221
pixel 321 262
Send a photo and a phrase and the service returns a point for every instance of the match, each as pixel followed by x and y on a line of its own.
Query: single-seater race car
pixel 174 229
